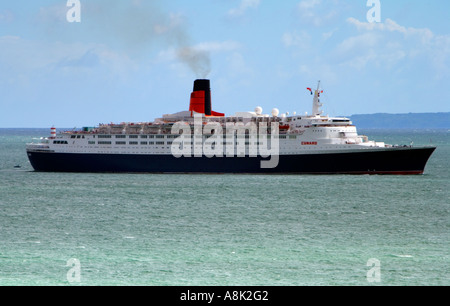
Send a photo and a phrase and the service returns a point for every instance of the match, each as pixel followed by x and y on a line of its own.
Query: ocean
pixel 224 230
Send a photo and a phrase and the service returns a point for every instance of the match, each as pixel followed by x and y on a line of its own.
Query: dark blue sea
pixel 208 230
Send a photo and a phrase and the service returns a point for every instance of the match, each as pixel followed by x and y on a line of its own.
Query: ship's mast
pixel 316 102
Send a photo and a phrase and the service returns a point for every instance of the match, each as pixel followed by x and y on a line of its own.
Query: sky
pixel 133 61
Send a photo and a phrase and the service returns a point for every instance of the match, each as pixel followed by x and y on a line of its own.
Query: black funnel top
pixel 205 85
pixel 200 85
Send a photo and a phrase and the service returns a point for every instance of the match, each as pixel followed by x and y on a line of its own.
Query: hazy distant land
pixel 403 121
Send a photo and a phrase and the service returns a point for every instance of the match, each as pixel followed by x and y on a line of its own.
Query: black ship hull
pixel 398 161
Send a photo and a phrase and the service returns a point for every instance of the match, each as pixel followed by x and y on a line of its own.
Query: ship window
pixel 73 136
pixel 133 142
pixel 91 142
pixel 104 136
pixel 121 143
pixel 160 136
pixel 144 143
pixel 152 143
pixel 144 136
pixel 104 142
pixel 151 136
pixel 133 136
pixel 121 136
pixel 79 136
pixel 160 142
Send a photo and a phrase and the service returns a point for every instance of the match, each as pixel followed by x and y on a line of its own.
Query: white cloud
pixel 308 4
pixel 328 35
pixel 364 41
pixel 243 7
pixel 369 47
pixel 55 13
pixel 390 43
pixel 299 40
pixel 28 58
pixel 389 25
pixel 317 12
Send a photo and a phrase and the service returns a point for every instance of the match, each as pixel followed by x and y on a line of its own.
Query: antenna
pixel 316 101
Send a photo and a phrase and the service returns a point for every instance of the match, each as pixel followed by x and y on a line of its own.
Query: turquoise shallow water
pixel 224 229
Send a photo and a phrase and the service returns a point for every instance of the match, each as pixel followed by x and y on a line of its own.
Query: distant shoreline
pixel 403 121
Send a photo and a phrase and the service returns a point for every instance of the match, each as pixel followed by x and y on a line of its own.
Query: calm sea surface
pixel 224 229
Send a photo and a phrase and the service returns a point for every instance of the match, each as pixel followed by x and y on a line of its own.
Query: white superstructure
pixel 297 134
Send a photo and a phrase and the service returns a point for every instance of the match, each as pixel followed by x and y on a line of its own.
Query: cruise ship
pixel 200 140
